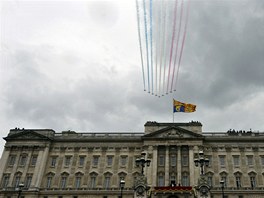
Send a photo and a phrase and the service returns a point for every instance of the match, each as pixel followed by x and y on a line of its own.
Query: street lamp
pixel 142 161
pixel 20 187
pixel 122 185
pixel 202 161
pixel 222 182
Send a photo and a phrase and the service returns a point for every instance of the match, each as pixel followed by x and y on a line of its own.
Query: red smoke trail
pixel 183 40
pixel 172 41
pixel 176 54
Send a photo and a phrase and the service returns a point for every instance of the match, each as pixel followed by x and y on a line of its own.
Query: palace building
pixel 167 160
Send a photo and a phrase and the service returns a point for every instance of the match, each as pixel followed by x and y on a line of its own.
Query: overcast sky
pixel 75 65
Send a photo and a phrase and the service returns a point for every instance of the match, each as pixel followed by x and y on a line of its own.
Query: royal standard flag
pixel 183 107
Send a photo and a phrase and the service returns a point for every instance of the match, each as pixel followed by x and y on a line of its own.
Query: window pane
pixel 53 161
pixel 173 160
pixel 161 180
pixel 109 160
pixel 95 160
pixel 23 160
pixel 34 160
pixel 81 160
pixel 28 181
pixel 67 160
pixel 238 182
pixel 236 160
pixel 123 160
pixel 222 161
pixel 77 182
pixel 12 160
pixel 185 160
pixel 250 160
pixel 93 182
pixel 107 182
pixel 63 182
pixel 49 180
pixel 161 160
pixel 5 181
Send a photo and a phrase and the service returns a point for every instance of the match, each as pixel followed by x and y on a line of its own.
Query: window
pixel 222 161
pixel 210 181
pixel 63 181
pixel 253 181
pixel 53 161
pixel 161 160
pixel 250 160
pixel 109 160
pixel 173 180
pixel 28 181
pixel 23 160
pixel 93 182
pixel 173 160
pixel 262 160
pixel 161 180
pixel 67 161
pixel 185 160
pixel 78 182
pixel 81 160
pixel 123 160
pixel 17 181
pixel 185 180
pixel 107 182
pixel 238 182
pixel 223 178
pixel 12 160
pixel 95 160
pixel 33 160
pixel 236 160
pixel 209 157
pixel 49 181
pixel 5 180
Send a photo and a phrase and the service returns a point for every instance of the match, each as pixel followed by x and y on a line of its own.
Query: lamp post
pixel 222 182
pixel 20 187
pixel 122 185
pixel 202 161
pixel 142 161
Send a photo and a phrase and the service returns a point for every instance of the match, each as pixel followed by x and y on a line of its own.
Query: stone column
pixel 154 166
pixel 40 167
pixel 191 165
pixel 167 167
pixel 4 160
pixel 178 165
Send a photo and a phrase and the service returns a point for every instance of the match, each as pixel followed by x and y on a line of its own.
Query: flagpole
pixel 172 110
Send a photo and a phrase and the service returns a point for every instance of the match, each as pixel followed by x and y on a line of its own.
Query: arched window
pixel 78 179
pixel 185 179
pixel 107 180
pixel 50 176
pixel 5 180
pixel 64 179
pixel 17 179
pixel 252 176
pixel 210 178
pixel 93 181
pixel 223 177
pixel 173 180
pixel 161 179
pixel 238 176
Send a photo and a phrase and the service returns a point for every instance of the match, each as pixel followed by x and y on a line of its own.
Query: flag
pixel 183 107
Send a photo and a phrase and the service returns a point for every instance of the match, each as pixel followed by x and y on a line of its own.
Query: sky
pixel 75 65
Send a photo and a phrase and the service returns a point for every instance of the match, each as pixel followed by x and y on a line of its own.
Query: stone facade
pixel 91 165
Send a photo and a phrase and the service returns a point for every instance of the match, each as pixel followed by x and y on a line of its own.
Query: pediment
pixel 26 135
pixel 172 132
